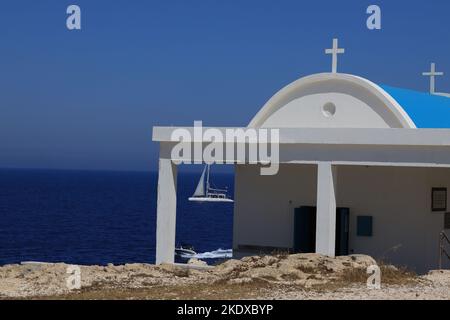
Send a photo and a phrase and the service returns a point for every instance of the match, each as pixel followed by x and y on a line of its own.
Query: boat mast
pixel 207 180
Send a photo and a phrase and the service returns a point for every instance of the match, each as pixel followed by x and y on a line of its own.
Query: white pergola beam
pixel 340 136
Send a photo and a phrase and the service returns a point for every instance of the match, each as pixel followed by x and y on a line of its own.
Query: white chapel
pixel 363 169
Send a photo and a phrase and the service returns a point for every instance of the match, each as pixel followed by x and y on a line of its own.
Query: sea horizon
pixel 97 217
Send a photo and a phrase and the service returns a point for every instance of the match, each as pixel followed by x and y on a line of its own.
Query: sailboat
pixel 204 192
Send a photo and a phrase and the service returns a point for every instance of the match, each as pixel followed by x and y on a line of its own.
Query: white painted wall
pixel 332 100
pixel 398 198
pixel 263 214
pixel 307 112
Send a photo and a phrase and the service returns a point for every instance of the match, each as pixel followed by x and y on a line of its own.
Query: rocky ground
pixel 300 276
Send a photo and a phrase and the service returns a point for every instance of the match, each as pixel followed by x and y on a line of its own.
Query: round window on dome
pixel 329 109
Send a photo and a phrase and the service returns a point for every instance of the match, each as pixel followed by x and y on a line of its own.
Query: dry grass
pixel 307 269
pixel 396 276
pixel 225 290
pixel 234 285
pixel 212 291
pixel 389 275
pixel 280 254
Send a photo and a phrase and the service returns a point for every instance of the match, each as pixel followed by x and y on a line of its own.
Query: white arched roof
pixel 332 100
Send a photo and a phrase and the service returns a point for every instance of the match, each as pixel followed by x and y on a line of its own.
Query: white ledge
pixel 337 136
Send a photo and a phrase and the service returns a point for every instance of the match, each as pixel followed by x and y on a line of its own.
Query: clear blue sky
pixel 88 99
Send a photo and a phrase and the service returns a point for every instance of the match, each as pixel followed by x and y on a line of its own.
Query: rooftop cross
pixel 334 52
pixel 432 74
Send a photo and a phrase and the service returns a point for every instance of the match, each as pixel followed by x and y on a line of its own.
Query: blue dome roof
pixel 426 110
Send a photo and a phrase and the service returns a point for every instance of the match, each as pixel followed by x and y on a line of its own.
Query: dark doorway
pixel 305 230
pixel 342 227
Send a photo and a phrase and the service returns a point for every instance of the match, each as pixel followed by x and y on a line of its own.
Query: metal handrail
pixel 442 250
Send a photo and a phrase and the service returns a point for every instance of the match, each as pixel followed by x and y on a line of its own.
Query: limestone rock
pixel 197 262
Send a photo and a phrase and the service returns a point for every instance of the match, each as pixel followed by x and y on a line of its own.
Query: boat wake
pixel 216 254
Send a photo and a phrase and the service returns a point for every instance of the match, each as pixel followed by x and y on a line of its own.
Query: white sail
pixel 200 190
pixel 210 194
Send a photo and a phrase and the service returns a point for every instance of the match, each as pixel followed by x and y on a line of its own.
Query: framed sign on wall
pixel 439 199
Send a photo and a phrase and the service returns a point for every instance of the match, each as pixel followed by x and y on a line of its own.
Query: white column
pixel 326 209
pixel 166 210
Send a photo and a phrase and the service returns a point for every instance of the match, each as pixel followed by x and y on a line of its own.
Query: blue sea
pixel 89 217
